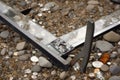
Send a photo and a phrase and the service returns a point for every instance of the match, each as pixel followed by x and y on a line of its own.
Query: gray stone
pixel 3 51
pixel 20 45
pixel 21 52
pixel 114 78
pixel 118 50
pixel 114 55
pixel 24 57
pixel 4 34
pixel 104 67
pixel 65 11
pixel 90 8
pixel 51 5
pixel 104 45
pixel 93 2
pixel 100 9
pixel 10 53
pixel 53 72
pixel 36 68
pixel 63 75
pixel 23 3
pixel 112 36
pixel 114 69
pixel 43 62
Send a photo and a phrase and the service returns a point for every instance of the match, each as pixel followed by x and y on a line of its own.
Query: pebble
pixel 4 34
pixel 118 50
pixel 3 51
pixel 43 62
pixel 33 76
pixel 91 75
pixel 114 55
pixel 20 45
pixel 115 69
pixel 89 65
pixel 24 57
pixel 53 72
pixel 51 5
pixel 65 11
pixel 119 43
pixel 34 59
pixel 90 8
pixel 104 67
pixel 104 45
pixel 36 68
pixel 28 71
pixel 114 78
pixel 100 9
pixel 22 3
pixel 97 64
pixel 73 77
pixel 112 36
pixel 35 73
pixel 93 2
pixel 63 75
pixel 10 53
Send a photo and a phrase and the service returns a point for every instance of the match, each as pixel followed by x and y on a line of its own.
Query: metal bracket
pixel 53 47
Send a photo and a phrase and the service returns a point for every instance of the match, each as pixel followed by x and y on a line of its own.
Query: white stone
pixel 34 59
pixel 28 71
pixel 97 64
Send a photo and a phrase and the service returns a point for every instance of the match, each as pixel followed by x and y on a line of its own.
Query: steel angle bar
pixel 77 37
pixel 53 47
pixel 34 33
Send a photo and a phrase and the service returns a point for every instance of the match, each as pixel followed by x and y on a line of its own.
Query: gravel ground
pixel 19 60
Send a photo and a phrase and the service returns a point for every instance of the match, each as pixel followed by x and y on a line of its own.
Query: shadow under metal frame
pixel 47 42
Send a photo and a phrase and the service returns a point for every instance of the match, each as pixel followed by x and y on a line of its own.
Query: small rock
pixel 114 55
pixel 4 34
pixel 119 43
pixel 63 75
pixel 10 53
pixel 51 5
pixel 43 62
pixel 34 77
pixel 89 65
pixel 91 75
pixel 104 67
pixel 20 45
pixel 23 3
pixel 36 68
pixel 3 51
pixel 28 71
pixel 53 72
pixel 118 50
pixel 35 73
pixel 114 78
pixel 73 77
pixel 97 64
pixel 90 8
pixel 65 11
pixel 112 36
pixel 93 2
pixel 24 57
pixel 100 9
pixel 34 59
pixel 114 69
pixel 21 52
pixel 104 45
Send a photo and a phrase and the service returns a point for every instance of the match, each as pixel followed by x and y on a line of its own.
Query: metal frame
pixel 50 45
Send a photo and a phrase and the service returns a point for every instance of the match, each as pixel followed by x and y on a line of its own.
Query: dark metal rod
pixel 86 48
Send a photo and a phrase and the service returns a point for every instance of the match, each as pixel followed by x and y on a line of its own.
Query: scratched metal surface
pixel 77 37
